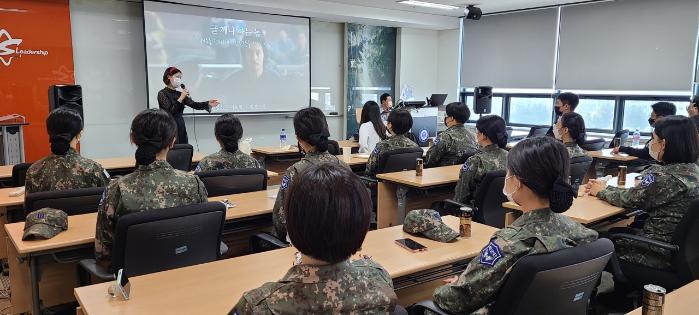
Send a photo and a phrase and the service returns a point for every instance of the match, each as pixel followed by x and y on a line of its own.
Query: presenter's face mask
pixel 176 81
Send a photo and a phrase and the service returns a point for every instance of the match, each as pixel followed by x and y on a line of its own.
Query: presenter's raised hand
pixel 213 103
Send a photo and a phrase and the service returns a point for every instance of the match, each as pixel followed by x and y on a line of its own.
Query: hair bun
pixel 561 196
pixel 60 143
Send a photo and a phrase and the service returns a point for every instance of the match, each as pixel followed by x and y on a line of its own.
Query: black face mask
pixel 651 122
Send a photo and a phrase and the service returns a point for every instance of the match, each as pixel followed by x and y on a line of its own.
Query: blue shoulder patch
pixel 198 169
pixel 376 150
pixel 490 254
pixel 285 182
pixel 437 139
pixel 466 167
pixel 104 196
pixel 647 180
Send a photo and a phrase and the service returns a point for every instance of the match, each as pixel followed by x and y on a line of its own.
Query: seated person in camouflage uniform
pixel 665 191
pixel 64 168
pixel 537 173
pixel 491 135
pixel 570 129
pixel 328 210
pixel 399 123
pixel 228 131
pixel 153 185
pixel 457 143
pixel 312 133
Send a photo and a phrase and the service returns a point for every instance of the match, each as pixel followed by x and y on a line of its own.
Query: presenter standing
pixel 174 101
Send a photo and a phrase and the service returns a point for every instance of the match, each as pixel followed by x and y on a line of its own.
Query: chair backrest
pixel 334 147
pixel 488 200
pixel 235 181
pixel 578 168
pixel 509 131
pixel 398 160
pixel 593 145
pixel 161 239
pixel 19 174
pixel 72 201
pixel 538 131
pixel 686 236
pixel 622 135
pixel 180 156
pixel 554 283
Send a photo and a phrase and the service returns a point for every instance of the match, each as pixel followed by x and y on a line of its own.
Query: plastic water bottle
pixel 282 139
pixel 636 138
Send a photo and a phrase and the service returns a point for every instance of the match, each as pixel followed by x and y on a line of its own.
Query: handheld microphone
pixel 182 85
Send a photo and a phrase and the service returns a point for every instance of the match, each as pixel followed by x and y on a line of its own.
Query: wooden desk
pixel 216 287
pixel 630 180
pixel 276 151
pixel 606 154
pixel 6 200
pixel 679 302
pixel 355 160
pixel 6 172
pixel 585 210
pixel 348 143
pixel 430 177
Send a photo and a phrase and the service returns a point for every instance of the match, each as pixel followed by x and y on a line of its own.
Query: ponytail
pixel 228 131
pixel 63 125
pixel 152 130
pixel 60 143
pixel 319 140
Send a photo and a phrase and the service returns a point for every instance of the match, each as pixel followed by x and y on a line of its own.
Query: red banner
pixel 36 52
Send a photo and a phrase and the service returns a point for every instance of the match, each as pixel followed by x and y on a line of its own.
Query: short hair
pixel 543 165
pixel 569 98
pixel 170 71
pixel 401 121
pixel 152 130
pixel 228 130
pixel 680 135
pixel 494 128
pixel 328 210
pixel 576 126
pixel 664 109
pixel 310 126
pixel 458 111
pixel 63 124
pixel 694 101
pixel 383 97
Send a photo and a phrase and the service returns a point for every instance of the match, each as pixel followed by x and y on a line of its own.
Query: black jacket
pixel 168 101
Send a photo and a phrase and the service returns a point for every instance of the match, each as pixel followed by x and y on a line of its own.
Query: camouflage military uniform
pixel 492 158
pixel 278 213
pixel 224 160
pixel 153 186
pixel 664 193
pixel 536 232
pixel 357 287
pixel 453 146
pixel 392 143
pixel 62 172
pixel 574 150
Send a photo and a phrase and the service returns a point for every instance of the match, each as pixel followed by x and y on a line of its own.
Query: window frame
pixel 655 98
pixel 616 113
pixel 507 103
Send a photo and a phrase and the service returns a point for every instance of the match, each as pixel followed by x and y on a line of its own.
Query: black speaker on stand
pixel 70 96
pixel 482 99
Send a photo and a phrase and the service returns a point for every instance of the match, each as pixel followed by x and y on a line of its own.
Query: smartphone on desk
pixel 411 245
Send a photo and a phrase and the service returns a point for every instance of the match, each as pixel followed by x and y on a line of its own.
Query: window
pixel 495 109
pixel 531 110
pixel 598 113
pixel 637 112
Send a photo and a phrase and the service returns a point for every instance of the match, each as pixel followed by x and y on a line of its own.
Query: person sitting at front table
pixel 565 103
pixel 328 211
pixel 312 134
pixel 371 128
pixel 455 144
pixel 570 129
pixel 491 135
pixel 399 123
pixel 660 110
pixel 228 132
pixel 537 173
pixel 64 168
pixel 664 193
pixel 386 106
pixel 153 185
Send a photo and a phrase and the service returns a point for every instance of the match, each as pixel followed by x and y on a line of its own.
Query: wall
pixel 448 64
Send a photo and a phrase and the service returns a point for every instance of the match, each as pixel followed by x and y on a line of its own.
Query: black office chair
pixel 71 201
pixel 509 132
pixel 621 136
pixel 19 174
pixel 398 160
pixel 561 282
pixel 162 239
pixel 235 181
pixel 262 242
pixel 412 137
pixel 593 145
pixel 538 131
pixel 487 201
pixel 334 147
pixel 180 156
pixel 578 168
pixel 684 247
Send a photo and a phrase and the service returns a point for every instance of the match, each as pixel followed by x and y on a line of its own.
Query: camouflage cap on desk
pixel 45 223
pixel 429 223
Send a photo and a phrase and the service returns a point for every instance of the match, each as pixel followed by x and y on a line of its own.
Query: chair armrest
pixel 421 307
pixel 645 240
pixel 369 179
pixel 91 266
pixel 263 242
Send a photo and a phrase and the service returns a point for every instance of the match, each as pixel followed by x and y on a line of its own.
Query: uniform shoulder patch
pixel 490 254
pixel 376 150
pixel 466 166
pixel 285 182
pixel 647 180
pixel 198 169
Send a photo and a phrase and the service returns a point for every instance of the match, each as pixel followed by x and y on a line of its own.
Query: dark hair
pixel 680 135
pixel 569 98
pixel 543 165
pixel 247 43
pixel 310 126
pixel 401 121
pixel 372 113
pixel 63 124
pixel 170 71
pixel 152 130
pixel 328 210
pixel 576 126
pixel 384 97
pixel 664 109
pixel 494 128
pixel 694 101
pixel 458 111
pixel 228 131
